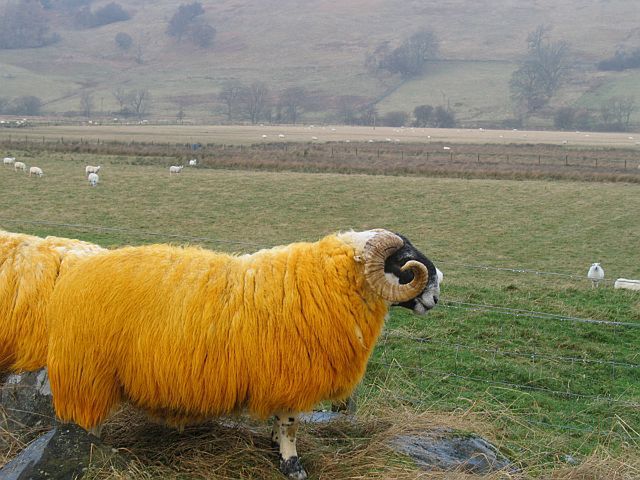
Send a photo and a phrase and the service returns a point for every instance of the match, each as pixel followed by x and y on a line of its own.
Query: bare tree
pixel 292 100
pixel 256 98
pixel 347 108
pixel 140 102
pixel 230 95
pixel 121 97
pixel 616 112
pixel 180 115
pixel 542 73
pixel 86 104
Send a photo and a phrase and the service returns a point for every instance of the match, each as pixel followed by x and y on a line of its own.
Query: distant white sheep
pixel 595 274
pixel 175 169
pixel 627 284
pixel 93 179
pixel 20 165
pixel 91 169
pixel 37 171
pixel 193 162
pixel 8 160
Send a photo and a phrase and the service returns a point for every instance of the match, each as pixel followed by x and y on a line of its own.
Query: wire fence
pixel 220 241
pixel 387 360
pixel 387 150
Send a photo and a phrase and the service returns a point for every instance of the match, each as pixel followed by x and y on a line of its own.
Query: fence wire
pixel 206 239
pixel 451 304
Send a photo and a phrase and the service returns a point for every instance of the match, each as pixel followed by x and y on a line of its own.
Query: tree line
pixel 26 23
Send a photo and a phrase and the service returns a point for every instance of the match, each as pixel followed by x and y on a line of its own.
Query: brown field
pixel 246 135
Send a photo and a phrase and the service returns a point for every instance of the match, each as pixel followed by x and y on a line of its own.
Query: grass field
pixel 512 353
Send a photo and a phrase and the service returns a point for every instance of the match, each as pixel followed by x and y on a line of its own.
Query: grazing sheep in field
pixel 37 171
pixel 595 274
pixel 188 334
pixel 8 160
pixel 20 165
pixel 29 268
pixel 627 284
pixel 93 179
pixel 193 162
pixel 175 169
pixel 91 169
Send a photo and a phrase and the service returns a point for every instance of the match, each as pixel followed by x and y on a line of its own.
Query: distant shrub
pixel 444 118
pixel 110 13
pixel 180 22
pixel 395 119
pixel 123 41
pixel 564 118
pixel 202 34
pixel 622 60
pixel 26 105
pixel 410 58
pixel 423 115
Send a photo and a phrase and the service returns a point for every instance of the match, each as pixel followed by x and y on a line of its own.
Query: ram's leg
pixel 284 434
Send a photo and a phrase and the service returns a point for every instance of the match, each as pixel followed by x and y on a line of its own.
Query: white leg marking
pixel 287 426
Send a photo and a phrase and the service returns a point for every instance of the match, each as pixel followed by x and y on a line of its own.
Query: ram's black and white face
pixel 431 293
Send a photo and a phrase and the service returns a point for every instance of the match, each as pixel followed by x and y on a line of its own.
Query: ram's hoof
pixel 292 468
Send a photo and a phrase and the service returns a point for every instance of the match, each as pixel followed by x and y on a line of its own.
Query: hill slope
pixel 322 46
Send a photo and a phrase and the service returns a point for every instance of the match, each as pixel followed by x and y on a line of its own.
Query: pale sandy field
pixel 320 134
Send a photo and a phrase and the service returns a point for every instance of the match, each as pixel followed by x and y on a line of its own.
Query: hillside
pixel 322 46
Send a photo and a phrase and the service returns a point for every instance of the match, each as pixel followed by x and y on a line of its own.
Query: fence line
pixel 507 353
pixel 262 245
pixel 334 150
pixel 519 386
pixel 478 307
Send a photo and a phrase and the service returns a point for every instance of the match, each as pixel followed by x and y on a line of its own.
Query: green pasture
pixel 623 84
pixel 473 90
pixel 513 344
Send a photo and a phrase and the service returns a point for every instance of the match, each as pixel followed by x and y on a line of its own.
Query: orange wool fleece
pixel 29 269
pixel 187 333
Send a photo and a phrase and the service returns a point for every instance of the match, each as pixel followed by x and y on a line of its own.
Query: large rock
pixel 25 402
pixel 65 452
pixel 446 450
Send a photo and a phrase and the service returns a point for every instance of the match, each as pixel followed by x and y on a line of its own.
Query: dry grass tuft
pixel 601 465
pixel 239 448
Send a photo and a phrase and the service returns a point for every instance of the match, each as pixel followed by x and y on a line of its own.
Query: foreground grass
pixel 547 388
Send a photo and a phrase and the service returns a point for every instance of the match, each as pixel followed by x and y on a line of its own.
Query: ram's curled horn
pixel 376 251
